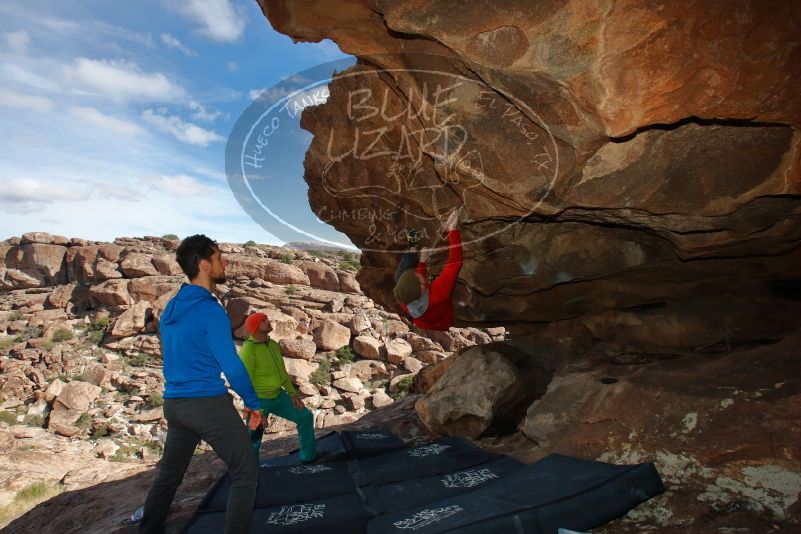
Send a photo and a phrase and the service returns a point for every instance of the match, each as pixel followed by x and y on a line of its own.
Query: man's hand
pixel 297 402
pixel 424 255
pixel 453 220
pixel 255 418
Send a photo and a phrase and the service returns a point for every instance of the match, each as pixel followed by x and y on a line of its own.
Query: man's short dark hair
pixel 193 249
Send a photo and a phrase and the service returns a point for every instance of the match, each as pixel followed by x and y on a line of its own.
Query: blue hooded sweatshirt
pixel 197 346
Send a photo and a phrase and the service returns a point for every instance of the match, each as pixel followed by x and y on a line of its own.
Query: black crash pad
pixel 376 485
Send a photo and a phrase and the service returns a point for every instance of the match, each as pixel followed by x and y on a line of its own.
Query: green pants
pixel 282 407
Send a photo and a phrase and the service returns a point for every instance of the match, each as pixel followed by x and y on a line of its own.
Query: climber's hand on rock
pixel 453 220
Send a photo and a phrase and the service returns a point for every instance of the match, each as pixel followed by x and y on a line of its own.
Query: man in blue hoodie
pixel 196 347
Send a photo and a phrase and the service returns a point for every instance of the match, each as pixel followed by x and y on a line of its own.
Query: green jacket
pixel 266 368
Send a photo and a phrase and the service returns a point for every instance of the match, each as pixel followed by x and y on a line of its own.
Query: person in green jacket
pixel 277 394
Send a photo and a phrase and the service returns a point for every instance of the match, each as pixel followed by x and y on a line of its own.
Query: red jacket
pixel 439 315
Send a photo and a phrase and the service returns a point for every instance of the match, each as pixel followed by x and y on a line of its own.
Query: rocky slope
pixel 80 355
pixel 630 174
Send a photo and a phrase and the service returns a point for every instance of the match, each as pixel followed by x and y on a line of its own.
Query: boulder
pixel 76 396
pixel 269 270
pixel 298 348
pixel 105 270
pixel 459 404
pixel 359 323
pixel 321 276
pixel 677 412
pixel 367 370
pixel 354 385
pixel 136 265
pixel 106 448
pixel 54 390
pixel 93 262
pixel 166 265
pixel 36 237
pixel 70 297
pixel 430 356
pixel 381 399
pixel 397 350
pixel 348 283
pixel 354 401
pixel 132 321
pixel 331 336
pixel 410 364
pixel 239 308
pixel 300 370
pixel 368 347
pixel 42 263
pixel 151 288
pixel 419 342
pixel 110 293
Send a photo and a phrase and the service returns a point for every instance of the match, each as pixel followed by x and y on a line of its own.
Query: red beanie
pixel 252 323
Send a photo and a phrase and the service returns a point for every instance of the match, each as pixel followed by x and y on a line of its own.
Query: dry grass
pixel 27 498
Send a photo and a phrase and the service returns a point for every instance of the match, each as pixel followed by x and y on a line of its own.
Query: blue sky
pixel 114 117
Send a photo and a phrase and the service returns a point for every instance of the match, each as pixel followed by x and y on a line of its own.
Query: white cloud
pixel 181 184
pixel 173 42
pixel 116 192
pixel 92 31
pixel 218 19
pixel 183 131
pixel 93 117
pixel 233 66
pixel 26 77
pixel 22 195
pixel 200 113
pixel 12 99
pixel 254 94
pixel 123 81
pixel 211 173
pixel 18 41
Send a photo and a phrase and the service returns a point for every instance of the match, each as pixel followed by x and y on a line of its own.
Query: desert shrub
pixel 99 324
pixel 139 360
pixel 350 265
pixel 85 376
pixel 322 375
pixel 6 343
pixel 29 332
pixel 403 387
pixel 250 243
pixel 8 417
pixel 154 400
pixel 345 355
pixel 130 450
pixel 95 337
pixel 62 334
pixel 290 290
pixel 286 258
pixel 171 237
pixel 100 431
pixel 16 315
pixel 84 421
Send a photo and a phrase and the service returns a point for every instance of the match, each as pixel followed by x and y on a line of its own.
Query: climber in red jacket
pixel 429 304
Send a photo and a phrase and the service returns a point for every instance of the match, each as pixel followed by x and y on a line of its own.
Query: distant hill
pixel 317 247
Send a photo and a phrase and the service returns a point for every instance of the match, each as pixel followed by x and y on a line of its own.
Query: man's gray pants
pixel 215 421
